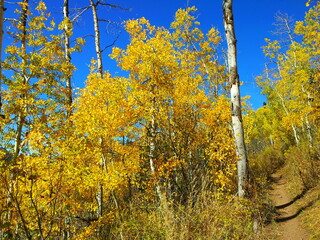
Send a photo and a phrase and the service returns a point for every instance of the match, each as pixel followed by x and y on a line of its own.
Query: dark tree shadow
pixel 299 196
pixel 284 219
pixel 278 217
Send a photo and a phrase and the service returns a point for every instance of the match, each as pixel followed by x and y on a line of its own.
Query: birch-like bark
pixel 283 103
pixel 294 127
pixel 293 44
pixel 97 36
pixel 100 192
pixel 1 37
pixel 66 230
pixel 285 21
pixel 67 56
pixel 152 146
pixel 309 128
pixel 242 164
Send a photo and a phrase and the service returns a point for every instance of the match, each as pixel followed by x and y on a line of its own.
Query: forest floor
pixel 286 222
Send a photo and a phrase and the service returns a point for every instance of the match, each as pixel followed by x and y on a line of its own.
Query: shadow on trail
pixel 280 219
pixel 299 196
pixel 284 219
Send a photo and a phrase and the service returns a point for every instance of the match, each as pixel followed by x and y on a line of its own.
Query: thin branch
pixel 105 20
pixel 79 14
pixel 110 45
pixel 114 6
pixel 78 9
pixel 11 2
pixel 11 19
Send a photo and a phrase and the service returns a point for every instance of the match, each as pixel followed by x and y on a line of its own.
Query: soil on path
pixel 287 220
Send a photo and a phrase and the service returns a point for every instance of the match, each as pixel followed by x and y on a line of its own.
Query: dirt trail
pixel 287 220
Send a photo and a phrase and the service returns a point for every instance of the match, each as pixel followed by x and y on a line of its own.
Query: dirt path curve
pixel 287 219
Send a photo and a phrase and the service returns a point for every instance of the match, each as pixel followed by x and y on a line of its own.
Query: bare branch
pixel 110 45
pixel 11 19
pixel 78 9
pixel 105 20
pixel 114 6
pixel 79 14
pixel 11 2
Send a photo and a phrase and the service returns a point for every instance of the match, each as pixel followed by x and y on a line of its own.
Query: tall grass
pixel 208 218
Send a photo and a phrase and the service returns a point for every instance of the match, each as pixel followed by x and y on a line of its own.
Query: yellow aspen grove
pixel 290 83
pixel 290 78
pixel 168 72
pixel 99 61
pixel 151 62
pixel 35 94
pixel 149 149
pixel 243 173
pixel 103 128
pixel 22 114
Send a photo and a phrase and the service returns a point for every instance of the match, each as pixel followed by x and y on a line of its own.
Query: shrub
pixel 306 164
pixel 208 218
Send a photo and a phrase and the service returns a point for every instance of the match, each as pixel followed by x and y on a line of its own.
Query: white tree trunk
pixel 1 37
pixel 67 56
pixel 97 36
pixel 238 132
pixel 152 146
pixel 283 103
pixel 99 196
pixel 309 127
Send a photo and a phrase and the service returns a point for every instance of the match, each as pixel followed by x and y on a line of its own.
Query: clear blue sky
pixel 253 22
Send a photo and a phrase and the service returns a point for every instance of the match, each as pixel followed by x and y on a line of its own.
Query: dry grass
pixel 209 218
pixel 303 172
pixel 311 213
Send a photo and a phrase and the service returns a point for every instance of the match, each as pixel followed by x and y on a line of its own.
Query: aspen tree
pixel 21 117
pixel 67 53
pixel 100 197
pixel 289 83
pixel 234 82
pixel 97 41
pixel 97 36
pixel 282 98
pixel 34 97
pixel 67 29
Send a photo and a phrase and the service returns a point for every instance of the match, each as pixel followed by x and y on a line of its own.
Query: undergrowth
pixel 303 171
pixel 301 166
pixel 311 216
pixel 208 218
pixel 263 164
